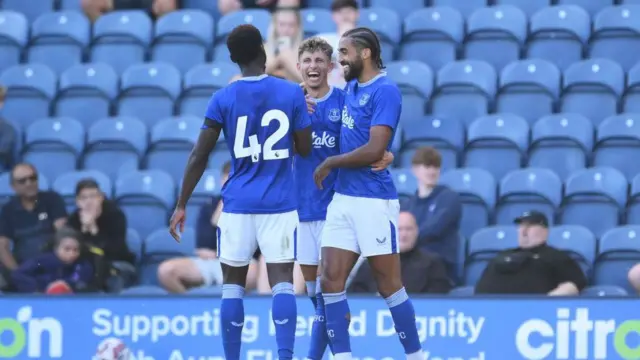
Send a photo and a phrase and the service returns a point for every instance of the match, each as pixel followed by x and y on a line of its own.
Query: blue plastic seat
pixel 32 10
pixel 484 245
pixel 30 88
pixel 617 141
pixel 14 34
pixel 593 7
pixel 135 244
pixel 594 198
pixel 171 142
pixel 558 34
pixel 446 135
pixel 495 34
pixel 578 242
pixel 529 7
pixel 405 182
pixel 466 7
pixel 58 39
pixel 205 5
pixel 86 92
pixel 593 88
pixel 528 88
pixel 562 143
pixel 618 252
pixel 432 35
pixel 317 21
pixel 207 189
pixel 631 98
pixel 206 291
pixel 387 25
pixel 158 247
pixel 183 38
pixel 53 145
pixel 148 91
pixel 616 35
pixel 259 18
pixel 120 38
pixel 462 291
pixel 65 184
pixel 633 205
pixel 604 291
pixel 477 189
pixel 200 82
pixel 528 189
pixel 415 80
pixel 403 9
pixel 113 143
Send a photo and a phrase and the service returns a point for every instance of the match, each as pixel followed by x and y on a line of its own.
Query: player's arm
pixel 301 125
pixel 387 105
pixel 197 161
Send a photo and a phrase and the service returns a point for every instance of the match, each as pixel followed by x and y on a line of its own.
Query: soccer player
pixel 314 64
pixel 262 118
pixel 362 217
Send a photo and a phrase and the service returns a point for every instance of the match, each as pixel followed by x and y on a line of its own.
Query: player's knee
pixel 387 289
pixel 333 280
pixel 167 270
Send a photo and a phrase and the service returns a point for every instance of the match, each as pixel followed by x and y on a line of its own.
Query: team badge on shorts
pixel 364 99
pixel 334 115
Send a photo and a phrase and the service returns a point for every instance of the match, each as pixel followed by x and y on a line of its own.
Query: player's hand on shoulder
pixel 176 224
pixel 385 162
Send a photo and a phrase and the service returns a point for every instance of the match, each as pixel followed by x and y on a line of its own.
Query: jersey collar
pixel 326 96
pixel 253 78
pixel 372 80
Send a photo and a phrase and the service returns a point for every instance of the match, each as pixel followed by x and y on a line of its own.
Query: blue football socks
pixel 232 320
pixel 338 318
pixel 285 315
pixel 404 318
pixel 319 337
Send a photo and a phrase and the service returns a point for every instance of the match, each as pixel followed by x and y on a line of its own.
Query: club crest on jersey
pixel 364 99
pixel 334 115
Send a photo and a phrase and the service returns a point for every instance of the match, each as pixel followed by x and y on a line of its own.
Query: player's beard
pixel 354 69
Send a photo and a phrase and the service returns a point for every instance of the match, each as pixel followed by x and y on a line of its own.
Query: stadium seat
pixel 144 290
pixel 616 35
pixel 145 197
pixel 594 198
pixel 618 252
pixel 469 82
pixel 200 82
pixel 206 290
pixel 633 205
pixel 14 34
pixel 477 189
pixel 465 7
pixel 120 38
pixel 529 7
pixel 604 291
pixel 58 40
pixel 86 91
pixel 415 80
pixel 497 143
pixel 631 98
pixel 65 185
pixel 403 8
pixel 54 145
pixel 528 88
pixel 525 190
pixel 160 246
pixel 317 21
pixel 218 157
pixel 495 35
pixel 592 6
pixel 617 141
pixel 32 10
pixel 562 143
pixel 70 5
pixel 432 35
pixel 171 141
pixel 558 34
pixel 326 4
pixel 207 188
pixel 405 182
pixel 484 245
pixel 6 191
pixel 259 18
pixel 462 291
pixel 182 38
pixel 113 143
pixel 592 88
pixel 387 24
pixel 30 88
pixel 446 135
pixel 134 244
pixel 147 92
pixel 578 242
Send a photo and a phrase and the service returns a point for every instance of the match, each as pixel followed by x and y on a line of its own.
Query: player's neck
pixel 367 75
pixel 320 92
pixel 250 71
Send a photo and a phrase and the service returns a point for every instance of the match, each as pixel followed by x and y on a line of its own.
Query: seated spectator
pixel 61 271
pixel 533 267
pixel 28 220
pixel 284 38
pixel 437 209
pixel 104 231
pixel 422 272
pixel 157 8
pixel 229 6
pixel 180 274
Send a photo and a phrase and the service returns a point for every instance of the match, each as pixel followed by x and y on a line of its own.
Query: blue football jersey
pixel 375 103
pixel 325 123
pixel 258 116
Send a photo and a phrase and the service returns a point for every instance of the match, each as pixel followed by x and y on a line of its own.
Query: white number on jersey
pixel 255 149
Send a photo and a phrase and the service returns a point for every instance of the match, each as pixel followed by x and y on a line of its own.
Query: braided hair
pixel 365 38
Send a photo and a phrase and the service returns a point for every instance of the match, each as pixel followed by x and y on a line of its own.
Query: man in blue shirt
pixel 362 217
pixel 314 64
pixel 263 118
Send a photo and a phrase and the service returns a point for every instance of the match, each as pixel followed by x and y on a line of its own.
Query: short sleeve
pixel 213 114
pixel 301 115
pixel 387 106
pixel 58 209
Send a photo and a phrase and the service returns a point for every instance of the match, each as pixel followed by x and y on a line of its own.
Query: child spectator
pixel 61 271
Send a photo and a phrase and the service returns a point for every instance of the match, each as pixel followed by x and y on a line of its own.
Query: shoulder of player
pixel 386 87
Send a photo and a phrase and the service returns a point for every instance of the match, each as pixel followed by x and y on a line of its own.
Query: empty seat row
pixel 563 143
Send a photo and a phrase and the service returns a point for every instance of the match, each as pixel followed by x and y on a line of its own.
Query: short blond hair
pixel 314 44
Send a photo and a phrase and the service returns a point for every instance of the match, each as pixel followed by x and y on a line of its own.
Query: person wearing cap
pixel 534 267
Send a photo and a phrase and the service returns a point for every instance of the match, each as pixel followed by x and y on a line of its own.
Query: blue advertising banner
pixel 187 328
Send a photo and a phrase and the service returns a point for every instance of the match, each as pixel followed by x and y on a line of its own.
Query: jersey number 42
pixel 255 148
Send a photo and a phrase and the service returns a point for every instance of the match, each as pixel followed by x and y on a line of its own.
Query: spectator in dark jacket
pixel 104 230
pixel 63 266
pixel 422 272
pixel 436 207
pixel 179 274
